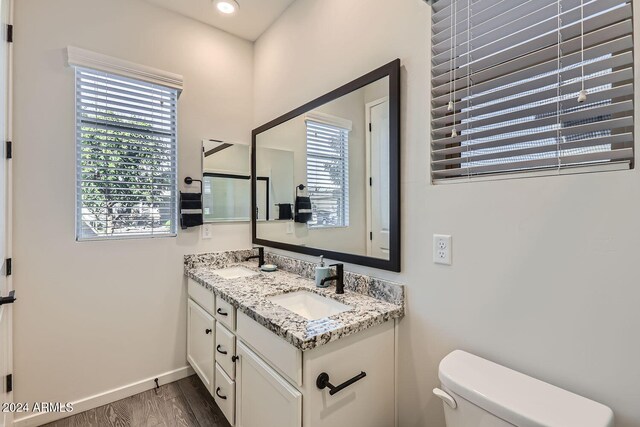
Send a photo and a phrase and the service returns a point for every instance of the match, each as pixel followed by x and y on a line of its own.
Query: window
pixel 530 86
pixel 328 173
pixel 226 197
pixel 126 157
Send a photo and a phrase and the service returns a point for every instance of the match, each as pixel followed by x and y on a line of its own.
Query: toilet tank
pixel 480 393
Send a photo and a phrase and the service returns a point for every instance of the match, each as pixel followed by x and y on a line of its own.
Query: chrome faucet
pixel 338 277
pixel 260 257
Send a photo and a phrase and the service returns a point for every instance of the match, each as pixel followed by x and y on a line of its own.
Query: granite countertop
pixel 249 295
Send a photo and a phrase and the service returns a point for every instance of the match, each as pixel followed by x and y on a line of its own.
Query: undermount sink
pixel 234 272
pixel 309 305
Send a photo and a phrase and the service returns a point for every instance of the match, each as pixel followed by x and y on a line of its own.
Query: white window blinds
pixel 328 174
pixel 530 85
pixel 126 157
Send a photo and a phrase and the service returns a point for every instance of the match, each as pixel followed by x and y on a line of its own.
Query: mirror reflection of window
pixel 328 170
pixel 225 197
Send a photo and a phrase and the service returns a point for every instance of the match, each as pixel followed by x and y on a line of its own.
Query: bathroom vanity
pixel 274 350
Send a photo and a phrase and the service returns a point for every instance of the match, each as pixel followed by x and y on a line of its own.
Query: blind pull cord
pixel 582 95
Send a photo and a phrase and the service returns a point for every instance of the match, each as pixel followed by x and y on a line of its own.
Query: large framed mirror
pixel 328 173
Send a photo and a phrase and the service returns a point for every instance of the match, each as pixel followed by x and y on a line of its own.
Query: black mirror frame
pixel 391 70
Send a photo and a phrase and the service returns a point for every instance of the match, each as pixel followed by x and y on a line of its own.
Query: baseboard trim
pixel 108 396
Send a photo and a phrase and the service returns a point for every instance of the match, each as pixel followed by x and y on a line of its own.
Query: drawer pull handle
pixel 322 382
pixel 219 395
pixel 220 351
pixel 207 331
pixel 221 313
pixel 235 358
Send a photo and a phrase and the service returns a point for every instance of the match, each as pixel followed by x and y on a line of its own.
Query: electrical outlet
pixel 206 231
pixel 442 249
pixel 289 227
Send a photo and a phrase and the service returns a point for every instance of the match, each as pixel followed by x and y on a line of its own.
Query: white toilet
pixel 480 393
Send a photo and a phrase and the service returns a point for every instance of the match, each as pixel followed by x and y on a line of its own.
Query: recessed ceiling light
pixel 227 7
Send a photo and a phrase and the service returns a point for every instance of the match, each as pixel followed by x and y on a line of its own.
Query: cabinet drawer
pixel 201 295
pixel 225 394
pixel 279 353
pixel 225 350
pixel 226 314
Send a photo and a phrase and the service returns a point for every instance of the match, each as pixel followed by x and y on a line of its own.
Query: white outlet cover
pixel 442 249
pixel 206 231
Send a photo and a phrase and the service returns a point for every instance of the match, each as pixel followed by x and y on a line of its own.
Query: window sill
pixel 137 237
pixel 570 170
pixel 325 227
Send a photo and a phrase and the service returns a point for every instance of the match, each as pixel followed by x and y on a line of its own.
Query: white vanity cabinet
pixel 260 380
pixel 276 383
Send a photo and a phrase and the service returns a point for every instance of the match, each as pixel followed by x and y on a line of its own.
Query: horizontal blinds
pixel 126 157
pixel 506 79
pixel 328 174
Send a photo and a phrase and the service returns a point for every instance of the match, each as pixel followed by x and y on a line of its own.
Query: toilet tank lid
pixel 518 398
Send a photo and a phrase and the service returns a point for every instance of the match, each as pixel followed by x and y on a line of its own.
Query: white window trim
pixel 328 119
pixel 175 218
pixel 77 57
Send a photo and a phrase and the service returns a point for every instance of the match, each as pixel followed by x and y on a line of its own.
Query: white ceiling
pixel 249 22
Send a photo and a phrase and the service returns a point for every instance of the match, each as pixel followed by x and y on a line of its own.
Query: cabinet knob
pixel 235 358
pixel 208 331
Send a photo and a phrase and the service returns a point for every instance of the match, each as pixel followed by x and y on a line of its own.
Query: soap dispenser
pixel 322 271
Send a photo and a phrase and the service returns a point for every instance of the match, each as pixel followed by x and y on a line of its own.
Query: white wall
pixel 544 276
pixel 98 315
pixel 234 160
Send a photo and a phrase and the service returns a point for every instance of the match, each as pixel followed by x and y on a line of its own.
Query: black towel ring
pixel 300 187
pixel 188 180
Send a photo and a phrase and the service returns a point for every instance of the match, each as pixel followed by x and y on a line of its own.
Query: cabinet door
pixel 200 340
pixel 263 397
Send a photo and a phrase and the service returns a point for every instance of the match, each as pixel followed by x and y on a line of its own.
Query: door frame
pixel 8 417
pixel 367 120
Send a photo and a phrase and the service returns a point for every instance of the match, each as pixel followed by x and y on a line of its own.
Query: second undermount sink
pixel 235 272
pixel 309 305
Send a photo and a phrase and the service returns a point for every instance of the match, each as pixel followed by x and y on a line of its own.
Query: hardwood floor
pixel 182 403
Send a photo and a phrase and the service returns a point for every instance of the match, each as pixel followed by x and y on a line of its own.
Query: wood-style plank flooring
pixel 182 403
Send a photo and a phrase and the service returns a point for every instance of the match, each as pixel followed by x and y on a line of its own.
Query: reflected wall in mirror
pixel 340 197
pixel 274 184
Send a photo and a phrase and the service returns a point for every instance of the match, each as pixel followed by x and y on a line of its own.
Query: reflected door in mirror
pixel 378 191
